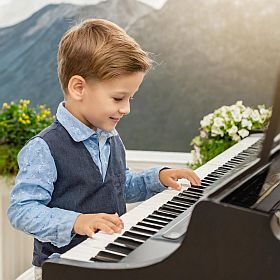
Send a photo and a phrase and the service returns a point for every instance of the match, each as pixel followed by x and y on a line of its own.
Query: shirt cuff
pixel 64 230
pixel 157 186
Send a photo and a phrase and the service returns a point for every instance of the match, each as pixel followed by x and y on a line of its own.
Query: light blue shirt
pixel 34 184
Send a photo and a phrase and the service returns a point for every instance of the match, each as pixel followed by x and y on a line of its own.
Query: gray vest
pixel 79 186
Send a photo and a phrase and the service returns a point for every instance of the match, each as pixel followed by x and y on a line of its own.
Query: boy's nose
pixel 125 110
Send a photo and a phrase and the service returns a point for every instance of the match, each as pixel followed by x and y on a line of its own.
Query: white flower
pixel 240 105
pixel 223 109
pixel 207 120
pixel 203 134
pixel 196 156
pixel 225 113
pixel 236 121
pixel 215 131
pixel 243 132
pixel 233 130
pixel 236 114
pixel 255 116
pixel 247 113
pixel 219 122
pixel 265 113
pixel 236 137
pixel 246 124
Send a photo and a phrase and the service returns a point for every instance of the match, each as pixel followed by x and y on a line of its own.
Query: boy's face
pixel 104 103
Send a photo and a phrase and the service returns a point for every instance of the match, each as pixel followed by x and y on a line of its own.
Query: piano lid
pixel 271 143
pixel 253 185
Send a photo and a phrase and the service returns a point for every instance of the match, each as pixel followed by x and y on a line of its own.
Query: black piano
pixel 227 229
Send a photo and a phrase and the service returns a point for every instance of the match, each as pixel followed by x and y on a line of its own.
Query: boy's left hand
pixel 169 177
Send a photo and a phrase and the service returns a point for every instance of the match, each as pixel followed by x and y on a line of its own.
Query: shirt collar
pixel 78 130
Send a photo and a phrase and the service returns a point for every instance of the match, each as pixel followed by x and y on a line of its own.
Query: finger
pixel 189 175
pixel 196 180
pixel 114 227
pixel 122 224
pixel 89 232
pixel 173 184
pixel 103 227
pixel 113 218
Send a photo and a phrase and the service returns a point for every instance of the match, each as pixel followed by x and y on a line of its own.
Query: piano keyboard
pixel 154 214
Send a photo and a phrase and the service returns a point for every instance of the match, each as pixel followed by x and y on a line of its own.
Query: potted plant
pixel 18 123
pixel 225 127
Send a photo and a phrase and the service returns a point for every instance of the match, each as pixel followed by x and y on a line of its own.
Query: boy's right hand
pixel 88 224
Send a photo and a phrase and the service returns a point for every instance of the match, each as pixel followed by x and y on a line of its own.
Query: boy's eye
pixel 117 99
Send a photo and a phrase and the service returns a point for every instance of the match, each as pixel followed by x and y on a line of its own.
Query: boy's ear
pixel 76 86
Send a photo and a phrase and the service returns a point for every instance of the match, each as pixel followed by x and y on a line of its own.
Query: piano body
pixel 228 229
pixel 221 231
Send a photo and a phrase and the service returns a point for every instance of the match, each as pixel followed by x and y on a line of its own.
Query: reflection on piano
pixel 227 229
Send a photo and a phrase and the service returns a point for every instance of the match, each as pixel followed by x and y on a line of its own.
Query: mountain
pixel 28 49
pixel 14 11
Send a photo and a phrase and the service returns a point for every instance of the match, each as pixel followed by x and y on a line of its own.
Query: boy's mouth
pixel 115 119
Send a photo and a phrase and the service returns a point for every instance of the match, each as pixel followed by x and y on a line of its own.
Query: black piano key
pixel 155 221
pixel 171 209
pixel 142 230
pixel 191 194
pixel 179 199
pixel 187 198
pixel 180 205
pixel 212 177
pixel 164 214
pixel 106 257
pixel 229 166
pixel 136 235
pixel 118 248
pixel 224 168
pixel 150 225
pixel 207 180
pixel 218 173
pixel 245 154
pixel 130 243
pixel 204 184
pixel 196 189
pixel 237 161
pixel 240 157
pixel 161 218
pixel 222 171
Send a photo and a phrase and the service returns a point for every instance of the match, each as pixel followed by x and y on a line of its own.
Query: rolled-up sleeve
pixel 32 192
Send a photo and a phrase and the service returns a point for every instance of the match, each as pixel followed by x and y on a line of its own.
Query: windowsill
pixel 139 160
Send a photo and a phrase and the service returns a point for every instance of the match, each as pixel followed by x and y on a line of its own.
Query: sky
pixel 14 11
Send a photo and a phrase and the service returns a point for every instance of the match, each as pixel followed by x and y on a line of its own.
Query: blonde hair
pixel 101 50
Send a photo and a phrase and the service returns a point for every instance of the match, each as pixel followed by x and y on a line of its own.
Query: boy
pixel 73 178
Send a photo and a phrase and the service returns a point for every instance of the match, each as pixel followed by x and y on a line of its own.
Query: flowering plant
pixel 18 123
pixel 224 128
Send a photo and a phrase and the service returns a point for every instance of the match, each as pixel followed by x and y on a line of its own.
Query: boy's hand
pixel 169 177
pixel 88 224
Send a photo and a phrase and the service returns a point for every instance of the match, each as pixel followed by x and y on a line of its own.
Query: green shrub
pixel 18 123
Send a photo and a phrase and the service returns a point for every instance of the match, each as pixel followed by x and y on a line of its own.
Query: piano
pixel 229 228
